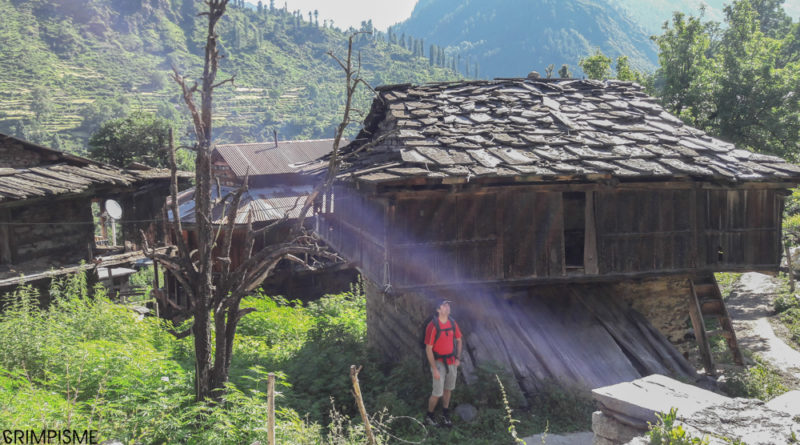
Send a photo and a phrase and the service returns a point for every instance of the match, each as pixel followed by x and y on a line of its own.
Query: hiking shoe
pixel 446 420
pixel 430 421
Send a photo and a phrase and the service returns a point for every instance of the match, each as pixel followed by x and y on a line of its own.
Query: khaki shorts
pixel 447 380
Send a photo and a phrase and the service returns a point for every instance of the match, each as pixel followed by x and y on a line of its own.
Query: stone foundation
pixel 663 301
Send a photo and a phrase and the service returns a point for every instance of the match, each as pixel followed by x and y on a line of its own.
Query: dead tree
pixel 214 289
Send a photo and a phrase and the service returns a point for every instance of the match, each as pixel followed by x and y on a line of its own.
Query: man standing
pixel 443 348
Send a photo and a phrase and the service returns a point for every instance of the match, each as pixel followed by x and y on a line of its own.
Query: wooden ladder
pixel 705 302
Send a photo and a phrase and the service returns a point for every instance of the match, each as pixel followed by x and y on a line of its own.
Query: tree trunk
pixel 201 331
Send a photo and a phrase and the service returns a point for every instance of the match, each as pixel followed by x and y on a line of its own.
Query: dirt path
pixel 750 305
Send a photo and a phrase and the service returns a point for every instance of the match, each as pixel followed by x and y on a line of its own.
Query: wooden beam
pixel 114 260
pixel 578 185
pixel 699 327
pixel 694 260
pixel 590 265
pixel 6 256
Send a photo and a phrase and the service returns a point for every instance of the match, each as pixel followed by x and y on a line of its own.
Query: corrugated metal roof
pixel 265 158
pixel 265 204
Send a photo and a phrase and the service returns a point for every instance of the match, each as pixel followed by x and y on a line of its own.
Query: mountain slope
pixel 68 65
pixel 512 37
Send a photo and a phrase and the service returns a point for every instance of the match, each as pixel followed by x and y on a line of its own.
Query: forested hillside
pixel 509 38
pixel 653 13
pixel 66 66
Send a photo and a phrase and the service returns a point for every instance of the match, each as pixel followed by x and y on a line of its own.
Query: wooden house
pixel 47 227
pixel 275 188
pixel 575 224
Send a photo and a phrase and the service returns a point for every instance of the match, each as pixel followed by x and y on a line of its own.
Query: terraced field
pixel 63 72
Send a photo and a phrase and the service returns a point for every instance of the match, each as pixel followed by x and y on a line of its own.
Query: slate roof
pixel 62 173
pixel 267 158
pixel 265 204
pixel 540 130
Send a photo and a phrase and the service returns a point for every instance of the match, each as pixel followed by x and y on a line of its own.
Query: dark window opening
pixel 574 228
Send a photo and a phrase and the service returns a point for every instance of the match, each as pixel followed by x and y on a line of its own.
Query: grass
pixel 760 381
pixel 87 363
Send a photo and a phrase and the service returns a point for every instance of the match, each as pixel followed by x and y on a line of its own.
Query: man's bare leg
pixel 445 399
pixel 433 400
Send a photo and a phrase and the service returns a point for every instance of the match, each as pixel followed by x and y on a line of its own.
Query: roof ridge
pixel 272 142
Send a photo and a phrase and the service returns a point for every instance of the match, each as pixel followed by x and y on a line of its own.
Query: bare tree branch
pixel 223 82
pixel 214 277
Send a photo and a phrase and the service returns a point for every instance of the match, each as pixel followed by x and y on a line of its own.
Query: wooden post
pixel 357 391
pixel 699 327
pixel 590 238
pixel 103 226
pixel 789 264
pixel 271 408
pixel 5 237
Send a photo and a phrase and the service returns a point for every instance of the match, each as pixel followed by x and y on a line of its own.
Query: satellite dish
pixel 113 209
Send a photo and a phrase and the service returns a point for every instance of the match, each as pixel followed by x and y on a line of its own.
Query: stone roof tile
pixel 551 129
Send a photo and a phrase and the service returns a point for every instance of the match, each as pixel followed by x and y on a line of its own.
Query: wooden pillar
pixel 699 327
pixel 500 203
pixel 590 238
pixel 5 239
pixel 695 201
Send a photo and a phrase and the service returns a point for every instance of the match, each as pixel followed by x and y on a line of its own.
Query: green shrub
pixel 86 362
pixel 665 432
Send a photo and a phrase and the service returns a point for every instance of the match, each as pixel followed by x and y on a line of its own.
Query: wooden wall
pixel 357 230
pixel 55 232
pixel 740 228
pixel 424 238
pixel 142 212
pixel 645 231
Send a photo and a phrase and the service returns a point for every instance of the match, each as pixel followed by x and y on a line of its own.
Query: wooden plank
pixel 519 249
pixel 699 327
pixel 581 341
pixel 554 246
pixel 590 262
pixel 79 181
pixel 696 257
pixel 609 314
pixel 670 356
pixel 500 201
pixel 91 174
pixel 6 256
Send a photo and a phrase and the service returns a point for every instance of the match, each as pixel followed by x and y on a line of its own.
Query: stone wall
pixel 12 155
pixel 663 301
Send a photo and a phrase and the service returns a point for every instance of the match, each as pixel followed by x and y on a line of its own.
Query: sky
pixel 346 13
